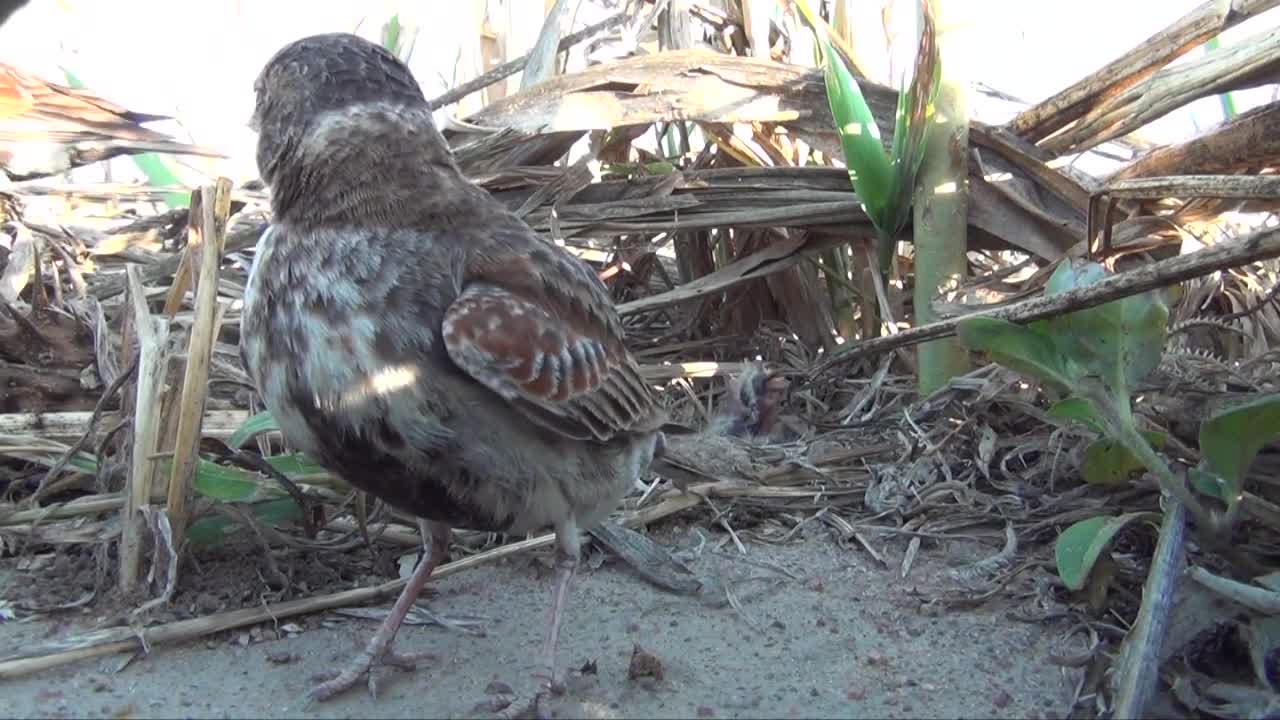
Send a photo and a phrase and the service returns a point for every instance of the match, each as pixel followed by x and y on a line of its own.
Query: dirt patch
pixel 229 577
pixel 844 637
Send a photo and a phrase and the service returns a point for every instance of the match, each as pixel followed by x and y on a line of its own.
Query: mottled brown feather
pixel 414 334
pixel 538 335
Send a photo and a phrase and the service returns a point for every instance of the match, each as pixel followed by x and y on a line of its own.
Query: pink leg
pixel 379 651
pixel 567 553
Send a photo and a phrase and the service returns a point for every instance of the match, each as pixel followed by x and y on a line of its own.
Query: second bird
pixel 417 338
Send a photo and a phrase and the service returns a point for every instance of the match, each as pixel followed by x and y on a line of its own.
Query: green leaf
pixel 391 35
pixel 1079 546
pixel 229 484
pixel 864 155
pixel 911 124
pixel 1125 338
pixel 1016 347
pixel 1080 410
pixel 213 529
pixel 295 464
pixel 1207 483
pixel 1230 440
pixel 1120 341
pixel 1108 462
pixel 252 427
pixel 1072 275
pixel 84 462
pixel 159 175
pixel 152 165
pixel 225 483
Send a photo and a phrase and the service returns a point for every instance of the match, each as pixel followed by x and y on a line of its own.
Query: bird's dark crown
pixel 336 112
pixel 332 71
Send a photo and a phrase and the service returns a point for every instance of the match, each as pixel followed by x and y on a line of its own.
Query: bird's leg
pixel 567 552
pixel 378 650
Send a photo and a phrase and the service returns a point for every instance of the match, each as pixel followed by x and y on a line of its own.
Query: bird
pixel 9 7
pixel 753 400
pixel 47 129
pixel 422 342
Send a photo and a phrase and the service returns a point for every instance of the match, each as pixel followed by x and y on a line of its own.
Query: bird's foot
pixel 364 665
pixel 552 686
pixel 552 682
pixel 378 651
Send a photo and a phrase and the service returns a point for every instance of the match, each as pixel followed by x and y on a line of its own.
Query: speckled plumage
pixel 415 336
pixel 752 402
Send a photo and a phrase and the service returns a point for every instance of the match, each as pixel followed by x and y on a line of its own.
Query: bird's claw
pixel 339 681
pixel 551 682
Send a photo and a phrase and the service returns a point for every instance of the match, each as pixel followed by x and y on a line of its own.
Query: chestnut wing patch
pixel 560 374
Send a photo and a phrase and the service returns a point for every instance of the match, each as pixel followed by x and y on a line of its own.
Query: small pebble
pixel 497 687
pixel 495 704
pixel 281 657
pixel 1001 699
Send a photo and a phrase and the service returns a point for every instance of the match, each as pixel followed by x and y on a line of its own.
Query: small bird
pixel 753 400
pixel 47 129
pixel 419 340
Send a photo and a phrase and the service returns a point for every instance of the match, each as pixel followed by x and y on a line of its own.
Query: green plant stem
pixel 1118 416
pixel 841 292
pixel 941 202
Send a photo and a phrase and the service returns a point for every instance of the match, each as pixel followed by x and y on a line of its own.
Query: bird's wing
pixel 29 105
pixel 15 98
pixel 539 329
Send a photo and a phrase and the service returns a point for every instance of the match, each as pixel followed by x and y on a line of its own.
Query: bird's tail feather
pixel 94 153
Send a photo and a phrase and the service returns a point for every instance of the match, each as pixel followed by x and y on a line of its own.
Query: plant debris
pixel 710 202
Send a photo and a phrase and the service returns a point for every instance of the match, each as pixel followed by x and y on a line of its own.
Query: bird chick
pixel 752 402
pixel 47 129
pixel 419 340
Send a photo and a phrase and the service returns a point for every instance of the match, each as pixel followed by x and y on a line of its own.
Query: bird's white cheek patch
pixel 337 126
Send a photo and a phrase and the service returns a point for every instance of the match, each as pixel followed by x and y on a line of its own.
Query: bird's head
pixel 754 400
pixel 338 96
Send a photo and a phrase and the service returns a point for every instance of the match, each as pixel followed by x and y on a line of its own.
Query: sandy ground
pixel 846 639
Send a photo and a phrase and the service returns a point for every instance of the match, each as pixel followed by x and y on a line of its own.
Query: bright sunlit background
pixel 196 59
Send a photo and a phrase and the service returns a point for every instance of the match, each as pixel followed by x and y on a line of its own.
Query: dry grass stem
pixel 209 240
